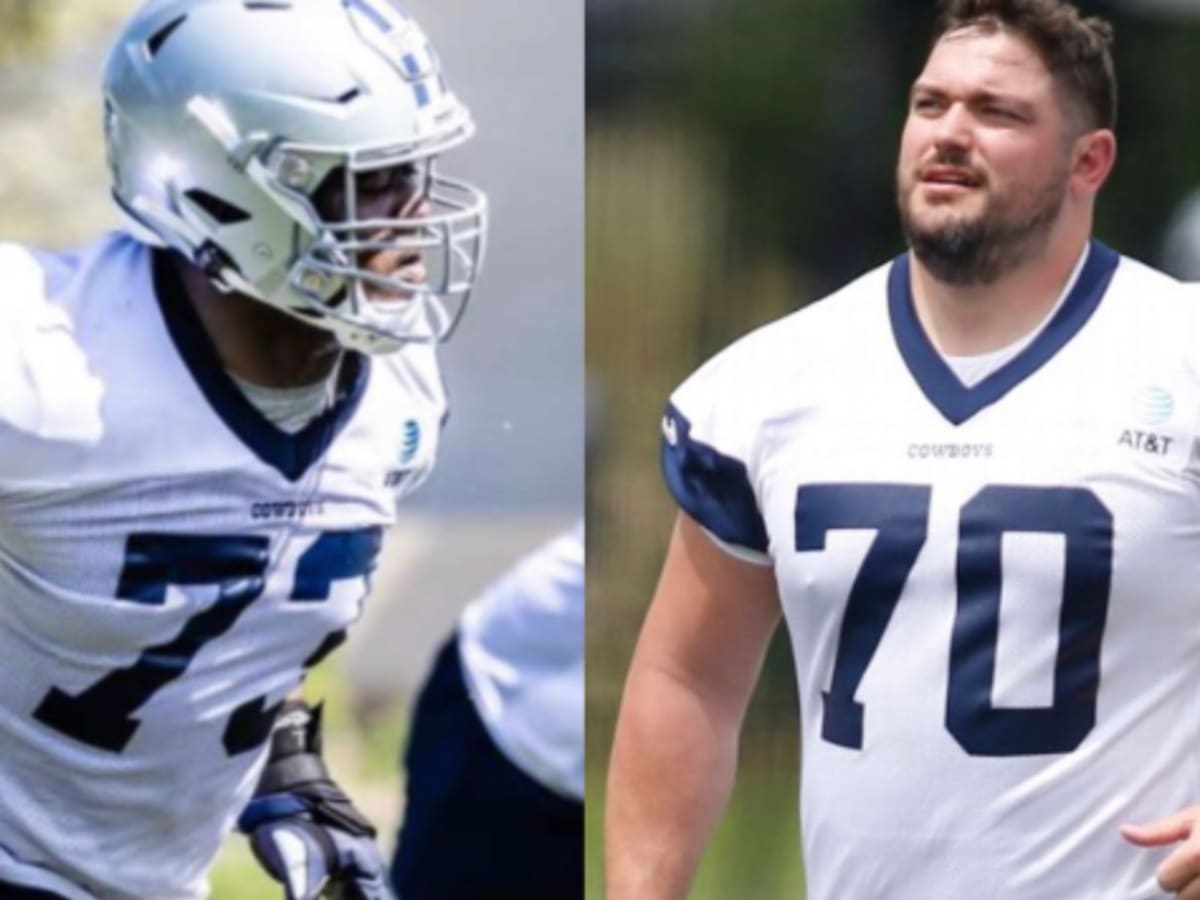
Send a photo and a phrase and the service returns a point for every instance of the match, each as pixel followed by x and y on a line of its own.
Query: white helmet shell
pixel 222 119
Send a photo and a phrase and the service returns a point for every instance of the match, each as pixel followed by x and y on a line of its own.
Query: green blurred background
pixel 740 161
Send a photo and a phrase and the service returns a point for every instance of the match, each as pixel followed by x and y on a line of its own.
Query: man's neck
pixel 969 320
pixel 255 342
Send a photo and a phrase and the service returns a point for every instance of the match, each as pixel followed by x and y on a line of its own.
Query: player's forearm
pixel 673 765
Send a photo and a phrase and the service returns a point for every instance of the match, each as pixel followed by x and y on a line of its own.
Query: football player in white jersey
pixel 205 423
pixel 494 805
pixel 967 481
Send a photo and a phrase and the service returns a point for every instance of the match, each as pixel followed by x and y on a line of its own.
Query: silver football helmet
pixel 223 119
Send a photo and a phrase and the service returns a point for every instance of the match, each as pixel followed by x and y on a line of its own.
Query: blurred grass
pixel 754 855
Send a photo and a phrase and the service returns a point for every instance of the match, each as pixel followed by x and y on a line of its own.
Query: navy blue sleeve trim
pixel 711 488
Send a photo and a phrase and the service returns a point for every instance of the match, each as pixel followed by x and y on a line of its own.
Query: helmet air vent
pixel 156 40
pixel 223 212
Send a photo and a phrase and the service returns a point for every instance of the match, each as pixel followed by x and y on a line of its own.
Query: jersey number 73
pixel 103 714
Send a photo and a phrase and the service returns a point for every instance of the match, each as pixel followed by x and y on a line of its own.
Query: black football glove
pixel 303 828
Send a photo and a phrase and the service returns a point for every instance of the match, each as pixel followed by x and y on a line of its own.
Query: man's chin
pixel 387 298
pixel 404 293
pixel 945 236
pixel 934 219
pixel 390 300
pixel 935 216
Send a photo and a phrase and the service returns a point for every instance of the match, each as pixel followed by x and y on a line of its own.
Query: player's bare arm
pixel 675 752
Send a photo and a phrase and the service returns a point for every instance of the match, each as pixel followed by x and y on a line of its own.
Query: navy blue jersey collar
pixel 939 384
pixel 290 454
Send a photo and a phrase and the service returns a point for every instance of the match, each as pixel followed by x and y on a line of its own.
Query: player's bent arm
pixel 675 752
pixel 303 828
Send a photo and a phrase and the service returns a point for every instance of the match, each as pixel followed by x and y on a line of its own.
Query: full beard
pixel 979 251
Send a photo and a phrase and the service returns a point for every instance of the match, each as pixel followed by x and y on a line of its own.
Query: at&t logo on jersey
pixel 412 441
pixel 1146 441
pixel 1152 405
pixel 410 446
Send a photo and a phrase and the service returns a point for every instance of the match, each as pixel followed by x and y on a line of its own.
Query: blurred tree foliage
pixel 52 193
pixel 22 25
pixel 29 29
pixel 803 107
pixel 808 108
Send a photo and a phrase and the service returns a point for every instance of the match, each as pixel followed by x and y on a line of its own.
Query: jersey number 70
pixel 899 514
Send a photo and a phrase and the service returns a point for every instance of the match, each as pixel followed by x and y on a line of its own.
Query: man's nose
pixel 954 130
pixel 422 209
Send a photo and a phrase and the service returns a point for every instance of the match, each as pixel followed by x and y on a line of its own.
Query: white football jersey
pixel 521 646
pixel 170 564
pixel 992 593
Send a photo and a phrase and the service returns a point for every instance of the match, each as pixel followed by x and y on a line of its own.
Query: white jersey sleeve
pixel 709 437
pixel 521 645
pixel 46 388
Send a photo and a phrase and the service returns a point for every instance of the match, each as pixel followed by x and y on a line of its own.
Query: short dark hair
pixel 1076 50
